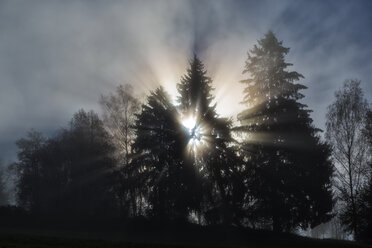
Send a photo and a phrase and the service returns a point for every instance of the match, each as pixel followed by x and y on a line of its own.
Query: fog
pixel 59 56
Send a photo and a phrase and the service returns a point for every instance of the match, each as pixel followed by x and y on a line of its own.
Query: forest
pixel 153 161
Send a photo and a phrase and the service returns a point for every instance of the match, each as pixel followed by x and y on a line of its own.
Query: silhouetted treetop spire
pixel 269 78
pixel 283 148
pixel 195 89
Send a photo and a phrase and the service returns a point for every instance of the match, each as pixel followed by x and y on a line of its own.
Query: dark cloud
pixel 59 56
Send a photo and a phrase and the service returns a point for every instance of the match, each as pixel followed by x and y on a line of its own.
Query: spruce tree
pixel 213 155
pixel 288 169
pixel 164 177
pixel 195 92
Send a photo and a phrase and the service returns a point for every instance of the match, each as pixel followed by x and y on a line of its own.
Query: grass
pixel 31 238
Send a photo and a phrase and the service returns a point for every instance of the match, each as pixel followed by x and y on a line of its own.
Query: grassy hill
pixel 17 238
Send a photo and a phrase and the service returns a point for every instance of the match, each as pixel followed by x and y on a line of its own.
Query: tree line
pixel 183 162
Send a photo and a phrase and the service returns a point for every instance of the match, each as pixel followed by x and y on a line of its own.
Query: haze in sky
pixel 57 57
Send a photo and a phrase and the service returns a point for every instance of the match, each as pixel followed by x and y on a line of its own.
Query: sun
pixel 195 132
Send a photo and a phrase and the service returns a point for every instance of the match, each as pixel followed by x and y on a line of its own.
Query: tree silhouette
pixel 3 191
pixel 28 170
pixel 182 163
pixel 67 175
pixel 214 157
pixel 119 117
pixel 119 114
pixel 91 163
pixel 165 178
pixel 195 97
pixel 345 123
pixel 289 170
pixel 364 201
pixel 365 212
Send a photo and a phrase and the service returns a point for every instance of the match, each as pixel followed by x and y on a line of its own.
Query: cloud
pixel 57 57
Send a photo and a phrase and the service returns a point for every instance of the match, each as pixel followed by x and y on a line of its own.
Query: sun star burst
pixel 195 133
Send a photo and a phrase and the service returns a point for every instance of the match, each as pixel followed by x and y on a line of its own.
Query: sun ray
pixel 196 133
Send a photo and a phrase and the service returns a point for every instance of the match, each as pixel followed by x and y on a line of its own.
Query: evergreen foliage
pixel 182 163
pixel 289 170
pixel 165 177
pixel 216 159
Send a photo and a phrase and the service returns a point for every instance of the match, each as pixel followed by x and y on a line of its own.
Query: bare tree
pixel 345 122
pixel 119 116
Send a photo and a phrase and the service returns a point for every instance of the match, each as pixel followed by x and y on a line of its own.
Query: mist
pixel 57 57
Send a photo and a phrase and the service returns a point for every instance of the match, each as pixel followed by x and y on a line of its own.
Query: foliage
pixel 288 166
pixel 3 191
pixel 215 158
pixel 178 163
pixel 69 174
pixel 164 177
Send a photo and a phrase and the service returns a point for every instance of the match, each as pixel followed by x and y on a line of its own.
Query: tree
pixel 67 175
pixel 368 129
pixel 209 145
pixel 28 169
pixel 164 178
pixel 364 203
pixel 288 167
pixel 119 115
pixel 194 90
pixel 345 122
pixel 91 162
pixel 365 200
pixel 3 190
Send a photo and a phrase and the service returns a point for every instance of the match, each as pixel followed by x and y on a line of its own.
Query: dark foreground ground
pixel 20 230
pixel 18 238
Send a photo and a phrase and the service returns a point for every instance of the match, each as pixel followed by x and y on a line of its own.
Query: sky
pixel 57 57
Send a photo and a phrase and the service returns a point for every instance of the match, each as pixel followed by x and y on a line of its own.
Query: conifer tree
pixel 166 180
pixel 289 170
pixel 195 92
pixel 213 154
